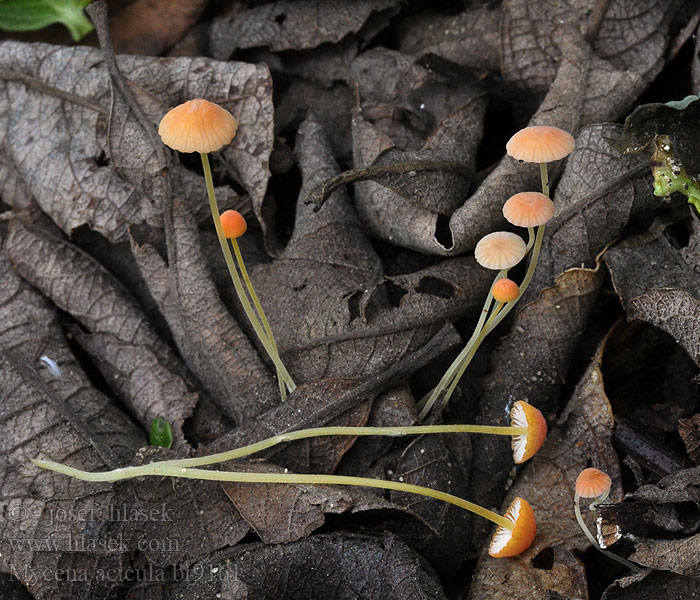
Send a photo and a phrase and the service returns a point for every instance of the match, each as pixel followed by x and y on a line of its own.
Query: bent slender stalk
pixel 261 313
pixel 431 398
pixel 161 470
pixel 591 538
pixel 300 434
pixel 257 327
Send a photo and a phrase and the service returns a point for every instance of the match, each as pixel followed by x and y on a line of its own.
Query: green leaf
pixel 29 15
pixel 160 434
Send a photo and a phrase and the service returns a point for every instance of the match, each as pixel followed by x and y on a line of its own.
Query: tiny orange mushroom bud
pixel 233 224
pixel 197 126
pixel 505 290
pixel 540 144
pixel 526 446
pixel 528 209
pixel 593 483
pixel 509 542
pixel 500 250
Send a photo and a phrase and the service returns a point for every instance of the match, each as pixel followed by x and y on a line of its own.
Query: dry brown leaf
pixel 291 25
pixel 209 339
pixel 321 294
pixel 631 35
pixel 470 38
pixel 284 513
pixel 339 566
pixel 42 512
pixel 137 363
pixel 652 585
pixel 581 438
pixel 658 286
pixel 69 141
pixel 152 26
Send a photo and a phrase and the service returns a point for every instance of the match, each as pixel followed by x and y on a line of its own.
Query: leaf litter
pixel 350 332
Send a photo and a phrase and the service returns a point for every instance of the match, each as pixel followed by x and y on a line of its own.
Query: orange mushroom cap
pixel 505 290
pixel 500 250
pixel 526 446
pixel 592 483
pixel 509 542
pixel 233 223
pixel 197 126
pixel 528 209
pixel 540 144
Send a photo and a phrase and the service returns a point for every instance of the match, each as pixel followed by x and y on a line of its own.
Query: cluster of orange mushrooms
pixel 203 127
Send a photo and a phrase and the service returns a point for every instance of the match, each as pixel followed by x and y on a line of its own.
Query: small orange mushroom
pixel 233 224
pixel 540 144
pixel 197 126
pixel 594 483
pixel 202 126
pixel 505 290
pixel 509 542
pixel 528 209
pixel 500 250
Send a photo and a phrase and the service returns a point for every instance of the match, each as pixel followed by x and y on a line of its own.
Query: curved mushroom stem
pixel 591 538
pixel 463 359
pixel 283 384
pixel 168 470
pixel 283 375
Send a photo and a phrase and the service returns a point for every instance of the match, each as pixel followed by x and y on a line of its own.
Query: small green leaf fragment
pixel 670 175
pixel 30 15
pixel 161 434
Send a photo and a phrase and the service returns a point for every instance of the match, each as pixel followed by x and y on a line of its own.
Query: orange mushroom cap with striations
pixel 197 126
pixel 233 224
pixel 592 483
pixel 528 209
pixel 509 542
pixel 526 446
pixel 505 290
pixel 540 144
pixel 500 250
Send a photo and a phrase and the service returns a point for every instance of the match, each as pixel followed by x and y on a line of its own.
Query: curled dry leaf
pixel 599 191
pixel 30 331
pixel 342 566
pixel 172 522
pixel 531 365
pixel 291 25
pixel 209 339
pixel 285 513
pixel 149 27
pixel 43 514
pixel 582 437
pixel 87 165
pixel 321 295
pixel 470 38
pixel 652 585
pixel 631 35
pixel 137 363
pixel 658 286
pixel 443 532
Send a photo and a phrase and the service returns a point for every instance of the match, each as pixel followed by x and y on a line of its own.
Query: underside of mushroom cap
pixel 510 542
pixel 526 446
